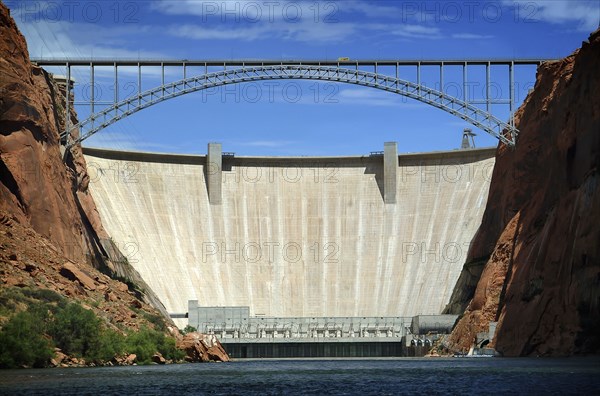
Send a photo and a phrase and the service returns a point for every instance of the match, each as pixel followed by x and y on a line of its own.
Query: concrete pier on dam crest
pixel 379 235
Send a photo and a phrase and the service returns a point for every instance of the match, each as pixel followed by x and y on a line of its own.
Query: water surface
pixel 317 377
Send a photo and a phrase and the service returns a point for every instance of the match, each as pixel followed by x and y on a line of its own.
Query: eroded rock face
pixel 71 272
pixel 35 185
pixel 28 259
pixel 541 222
pixel 483 307
pixel 202 348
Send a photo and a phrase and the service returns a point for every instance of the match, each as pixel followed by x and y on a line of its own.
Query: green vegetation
pixel 188 329
pixel 157 321
pixel 146 343
pixel 75 330
pixel 22 342
pixel 45 320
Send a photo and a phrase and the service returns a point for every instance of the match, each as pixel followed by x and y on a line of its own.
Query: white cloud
pixel 303 31
pixel 128 141
pixel 200 8
pixel 416 31
pixel 315 22
pixel 286 10
pixel 370 9
pixel 256 20
pixel 471 36
pixel 252 11
pixel 75 40
pixel 584 13
pixel 62 38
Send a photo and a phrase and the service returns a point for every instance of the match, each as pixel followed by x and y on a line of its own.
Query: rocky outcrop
pixel 37 187
pixel 540 227
pixel 202 348
pixel 483 307
pixel 71 272
pixel 158 358
pixel 27 259
pixel 124 360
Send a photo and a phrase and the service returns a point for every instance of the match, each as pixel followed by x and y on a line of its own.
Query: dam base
pixel 245 336
pixel 250 350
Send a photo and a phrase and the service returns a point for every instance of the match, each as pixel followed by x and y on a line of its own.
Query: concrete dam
pixel 379 235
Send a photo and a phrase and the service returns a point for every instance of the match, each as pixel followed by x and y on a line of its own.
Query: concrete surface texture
pixel 299 236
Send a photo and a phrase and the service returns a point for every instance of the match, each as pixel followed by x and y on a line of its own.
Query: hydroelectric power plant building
pixel 298 256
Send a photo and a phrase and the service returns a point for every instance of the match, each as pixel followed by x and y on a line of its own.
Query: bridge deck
pixel 267 62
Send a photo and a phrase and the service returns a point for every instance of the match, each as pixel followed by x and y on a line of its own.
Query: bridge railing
pixel 477 111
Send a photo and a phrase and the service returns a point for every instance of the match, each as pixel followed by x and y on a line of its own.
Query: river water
pixel 318 377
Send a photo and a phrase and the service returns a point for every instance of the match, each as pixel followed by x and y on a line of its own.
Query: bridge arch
pixel 457 107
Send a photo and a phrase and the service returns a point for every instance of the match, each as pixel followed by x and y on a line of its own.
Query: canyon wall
pixel 35 184
pixel 534 265
pixel 40 189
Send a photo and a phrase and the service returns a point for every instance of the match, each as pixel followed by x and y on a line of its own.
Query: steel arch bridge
pixel 249 71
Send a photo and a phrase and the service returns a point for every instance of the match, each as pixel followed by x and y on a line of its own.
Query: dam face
pixel 295 237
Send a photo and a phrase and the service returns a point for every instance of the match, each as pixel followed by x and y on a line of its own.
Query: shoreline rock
pixel 202 348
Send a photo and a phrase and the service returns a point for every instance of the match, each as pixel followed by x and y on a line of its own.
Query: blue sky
pixel 299 118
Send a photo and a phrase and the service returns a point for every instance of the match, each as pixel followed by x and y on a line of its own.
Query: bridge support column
pixel 214 173
pixel 390 169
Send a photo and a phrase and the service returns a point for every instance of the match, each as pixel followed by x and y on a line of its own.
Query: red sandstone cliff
pixel 51 235
pixel 37 188
pixel 534 265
